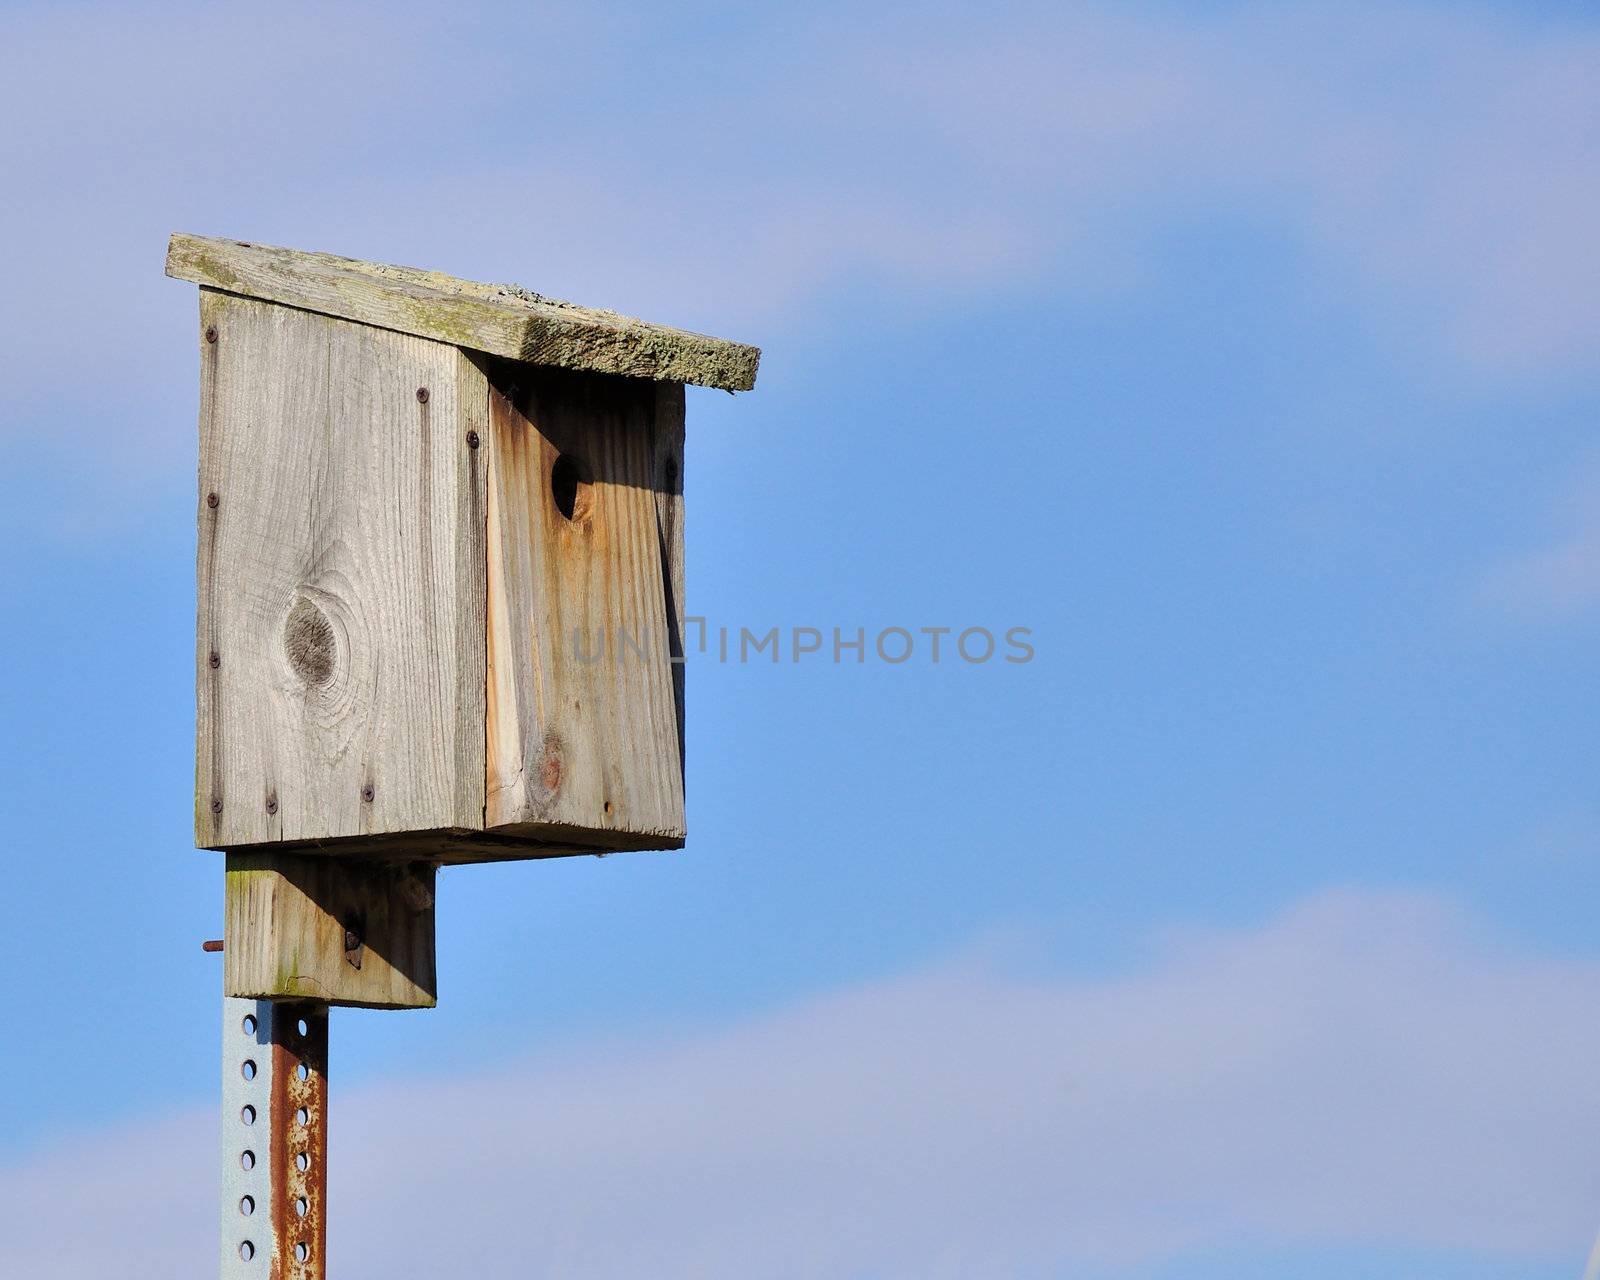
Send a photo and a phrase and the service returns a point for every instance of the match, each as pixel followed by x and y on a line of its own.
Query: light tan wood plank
pixel 341 580
pixel 290 921
pixel 502 320
pixel 583 717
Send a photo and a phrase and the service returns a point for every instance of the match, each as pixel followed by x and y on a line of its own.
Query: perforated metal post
pixel 274 1139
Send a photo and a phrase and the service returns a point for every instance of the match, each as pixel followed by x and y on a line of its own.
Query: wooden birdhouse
pixel 440 596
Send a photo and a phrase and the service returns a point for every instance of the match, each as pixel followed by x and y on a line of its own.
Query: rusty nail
pixel 215 660
pixel 212 500
pixel 213 944
pixel 216 806
pixel 367 793
pixel 472 439
pixel 422 395
pixel 211 333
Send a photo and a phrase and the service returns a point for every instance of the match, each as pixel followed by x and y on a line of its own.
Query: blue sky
pixel 1247 354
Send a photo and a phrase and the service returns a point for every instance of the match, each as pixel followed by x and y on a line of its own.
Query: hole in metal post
pixel 302 1251
pixel 247 1250
pixel 247 1205
pixel 302 1117
pixel 248 1069
pixel 248 1026
pixel 302 1162
pixel 247 1160
pixel 247 1115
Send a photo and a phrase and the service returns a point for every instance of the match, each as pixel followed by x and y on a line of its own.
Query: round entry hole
pixel 571 488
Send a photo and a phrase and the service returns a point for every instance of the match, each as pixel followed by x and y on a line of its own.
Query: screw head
pixel 422 395
pixel 216 806
pixel 212 500
pixel 211 333
pixel 472 439
pixel 215 660
pixel 272 804
pixel 367 793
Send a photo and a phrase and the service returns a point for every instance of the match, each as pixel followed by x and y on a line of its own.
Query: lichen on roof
pixel 508 320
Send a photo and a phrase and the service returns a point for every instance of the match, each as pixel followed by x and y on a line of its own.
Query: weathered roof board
pixel 503 320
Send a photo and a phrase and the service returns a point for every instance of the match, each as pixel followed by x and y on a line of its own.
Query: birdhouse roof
pixel 500 319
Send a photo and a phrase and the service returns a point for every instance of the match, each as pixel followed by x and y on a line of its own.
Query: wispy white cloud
pixel 1425 170
pixel 1558 580
pixel 1436 162
pixel 1366 1069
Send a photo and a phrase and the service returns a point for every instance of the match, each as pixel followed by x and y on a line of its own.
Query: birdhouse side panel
pixel 668 463
pixel 585 609
pixel 341 640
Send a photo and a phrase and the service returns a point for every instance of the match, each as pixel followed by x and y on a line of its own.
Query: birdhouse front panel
pixel 585 709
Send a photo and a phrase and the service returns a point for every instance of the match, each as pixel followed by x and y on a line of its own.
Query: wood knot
pixel 309 643
pixel 551 763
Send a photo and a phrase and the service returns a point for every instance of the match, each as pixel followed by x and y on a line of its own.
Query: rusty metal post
pixel 274 1139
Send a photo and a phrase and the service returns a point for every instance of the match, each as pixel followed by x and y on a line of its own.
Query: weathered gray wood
pixel 290 923
pixel 583 718
pixel 502 320
pixel 341 577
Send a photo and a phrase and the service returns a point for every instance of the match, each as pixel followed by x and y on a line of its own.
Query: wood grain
pixel 286 919
pixel 583 719
pixel 502 320
pixel 341 638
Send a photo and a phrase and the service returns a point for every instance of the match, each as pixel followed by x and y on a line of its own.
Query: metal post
pixel 274 1139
